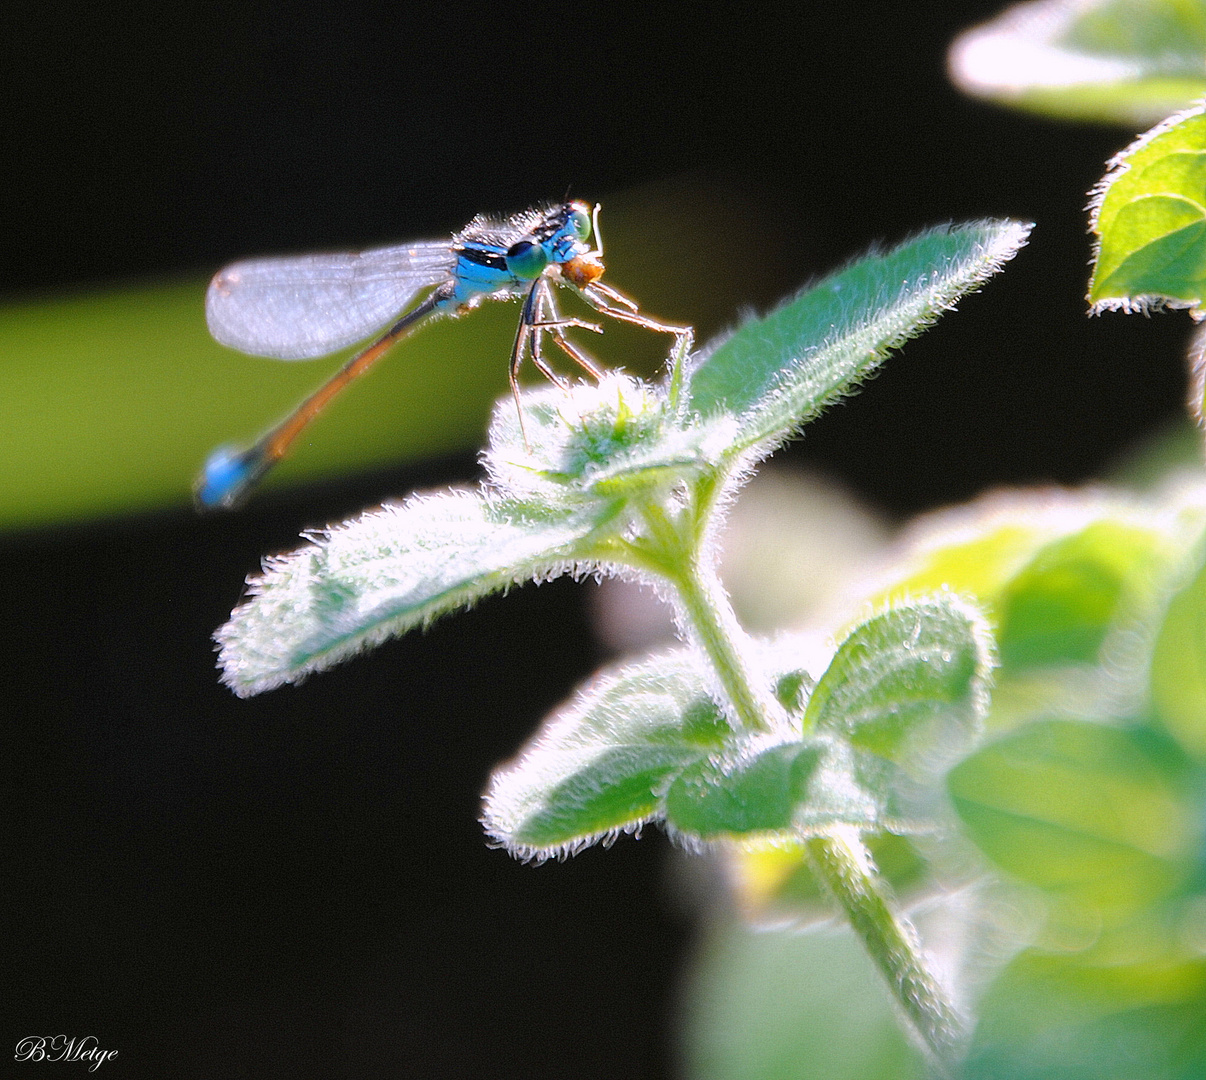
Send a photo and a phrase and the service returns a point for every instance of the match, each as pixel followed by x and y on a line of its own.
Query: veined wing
pixel 295 308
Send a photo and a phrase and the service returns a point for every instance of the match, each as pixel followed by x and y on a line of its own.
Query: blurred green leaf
pixel 978 562
pixel 1129 62
pixel 1101 816
pixel 1090 813
pixel 1149 217
pixel 1059 608
pixel 1062 1017
pixel 791 1006
pixel 982 548
pixel 1179 666
pixel 1074 581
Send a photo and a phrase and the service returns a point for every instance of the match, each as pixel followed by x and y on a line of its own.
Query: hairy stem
pixel 839 858
pixel 843 863
pixel 714 628
pixel 675 550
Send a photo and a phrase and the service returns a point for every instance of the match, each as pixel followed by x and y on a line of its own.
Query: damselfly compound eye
pixel 527 260
pixel 580 223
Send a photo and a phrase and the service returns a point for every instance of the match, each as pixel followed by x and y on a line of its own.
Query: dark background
pixel 297 885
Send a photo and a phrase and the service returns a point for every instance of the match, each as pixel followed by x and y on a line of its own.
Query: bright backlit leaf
pixel 1149 216
pixel 777 372
pixel 1130 62
pixel 393 569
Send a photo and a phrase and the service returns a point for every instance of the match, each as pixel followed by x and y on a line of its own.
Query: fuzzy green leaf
pixel 646 743
pixel 1149 216
pixel 760 795
pixel 779 371
pixel 789 791
pixel 1121 61
pixel 599 766
pixel 909 685
pixel 392 569
pixel 597 443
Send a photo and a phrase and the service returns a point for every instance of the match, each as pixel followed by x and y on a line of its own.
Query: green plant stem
pixel 713 626
pixel 839 858
pixel 673 550
pixel 674 547
pixel 842 862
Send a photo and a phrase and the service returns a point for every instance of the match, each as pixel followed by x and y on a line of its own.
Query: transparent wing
pixel 310 305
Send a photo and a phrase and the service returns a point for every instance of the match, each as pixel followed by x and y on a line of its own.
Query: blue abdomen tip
pixel 227 475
